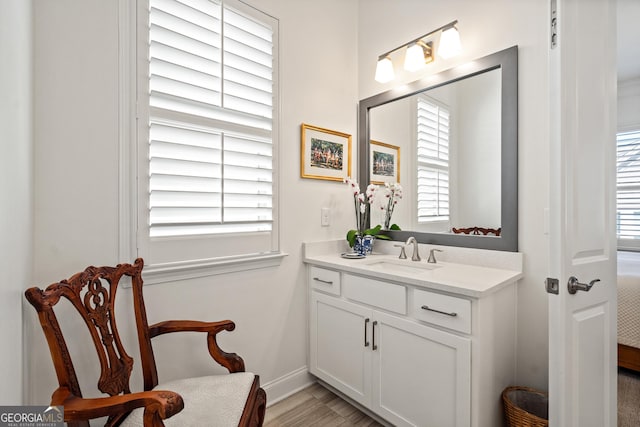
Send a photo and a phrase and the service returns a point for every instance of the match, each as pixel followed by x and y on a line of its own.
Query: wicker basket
pixel 525 407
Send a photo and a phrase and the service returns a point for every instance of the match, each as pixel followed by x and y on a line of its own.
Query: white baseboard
pixel 285 386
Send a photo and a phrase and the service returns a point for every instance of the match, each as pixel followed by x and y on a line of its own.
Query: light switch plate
pixel 325 218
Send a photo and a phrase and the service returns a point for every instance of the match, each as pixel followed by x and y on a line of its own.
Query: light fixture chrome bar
pixel 450 24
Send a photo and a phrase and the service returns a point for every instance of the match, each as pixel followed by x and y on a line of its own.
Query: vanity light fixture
pixel 420 52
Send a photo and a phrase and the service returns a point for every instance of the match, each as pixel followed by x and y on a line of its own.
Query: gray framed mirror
pixel 476 174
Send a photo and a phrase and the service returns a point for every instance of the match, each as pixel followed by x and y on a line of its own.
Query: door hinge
pixel 552 285
pixel 554 24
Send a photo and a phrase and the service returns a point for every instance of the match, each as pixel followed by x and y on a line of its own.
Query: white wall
pixel 477 159
pixel 384 25
pixel 16 145
pixel 76 188
pixel 629 105
pixel 393 124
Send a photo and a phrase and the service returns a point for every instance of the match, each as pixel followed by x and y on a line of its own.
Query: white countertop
pixel 452 277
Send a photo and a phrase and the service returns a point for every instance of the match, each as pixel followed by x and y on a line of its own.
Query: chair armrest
pixel 231 361
pixel 157 404
pixel 189 326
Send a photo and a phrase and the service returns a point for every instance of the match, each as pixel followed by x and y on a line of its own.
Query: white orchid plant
pixel 392 194
pixel 362 205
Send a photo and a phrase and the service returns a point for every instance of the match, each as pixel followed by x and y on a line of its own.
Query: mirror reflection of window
pixel 432 136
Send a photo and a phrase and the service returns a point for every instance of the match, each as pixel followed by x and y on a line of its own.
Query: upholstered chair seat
pixel 212 401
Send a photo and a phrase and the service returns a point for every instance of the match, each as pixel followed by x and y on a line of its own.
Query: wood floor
pixel 316 406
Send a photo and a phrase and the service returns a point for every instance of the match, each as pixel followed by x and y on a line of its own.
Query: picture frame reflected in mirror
pixel 384 162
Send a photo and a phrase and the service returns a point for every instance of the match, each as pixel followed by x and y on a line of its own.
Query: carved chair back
pixel 478 231
pixel 93 293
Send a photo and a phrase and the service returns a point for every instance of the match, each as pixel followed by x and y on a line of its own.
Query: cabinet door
pixel 340 345
pixel 421 375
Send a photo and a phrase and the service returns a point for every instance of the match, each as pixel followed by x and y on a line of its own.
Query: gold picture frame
pixel 324 153
pixel 384 163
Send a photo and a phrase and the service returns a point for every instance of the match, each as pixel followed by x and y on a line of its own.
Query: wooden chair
pixel 233 399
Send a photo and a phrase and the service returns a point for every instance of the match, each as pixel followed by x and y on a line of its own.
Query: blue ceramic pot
pixel 363 245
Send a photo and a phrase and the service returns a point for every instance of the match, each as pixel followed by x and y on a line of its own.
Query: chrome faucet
pixel 415 255
pixel 432 256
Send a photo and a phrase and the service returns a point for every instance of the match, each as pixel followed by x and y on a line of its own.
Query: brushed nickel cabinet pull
pixel 366 322
pixel 373 334
pixel 426 307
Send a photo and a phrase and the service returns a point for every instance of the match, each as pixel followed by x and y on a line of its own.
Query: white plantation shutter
pixel 210 128
pixel 248 70
pixel 432 160
pixel 628 190
pixel 185 56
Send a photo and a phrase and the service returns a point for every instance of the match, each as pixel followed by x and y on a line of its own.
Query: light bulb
pixel 449 43
pixel 384 70
pixel 418 54
pixel 414 58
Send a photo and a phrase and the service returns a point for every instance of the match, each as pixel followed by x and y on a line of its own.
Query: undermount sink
pixel 402 266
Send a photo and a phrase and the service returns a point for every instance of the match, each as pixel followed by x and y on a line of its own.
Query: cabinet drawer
pixel 444 310
pixel 325 280
pixel 376 293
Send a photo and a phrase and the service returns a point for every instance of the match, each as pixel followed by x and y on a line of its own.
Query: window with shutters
pixel 207 131
pixel 628 190
pixel 432 160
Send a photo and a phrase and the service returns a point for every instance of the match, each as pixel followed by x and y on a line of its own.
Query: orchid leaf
pixel 351 237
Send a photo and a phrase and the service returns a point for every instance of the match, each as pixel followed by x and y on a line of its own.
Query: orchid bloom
pixel 361 202
pixel 393 193
pixel 355 188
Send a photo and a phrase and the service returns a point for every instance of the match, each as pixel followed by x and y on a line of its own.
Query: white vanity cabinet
pixel 340 345
pixel 412 355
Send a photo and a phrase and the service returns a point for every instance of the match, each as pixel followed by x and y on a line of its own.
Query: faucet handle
pixel 403 254
pixel 432 255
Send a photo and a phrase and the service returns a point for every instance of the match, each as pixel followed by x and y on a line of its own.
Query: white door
pixel 340 345
pixel 421 375
pixel 582 326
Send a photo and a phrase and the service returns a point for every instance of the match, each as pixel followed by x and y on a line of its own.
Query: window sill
pixel 629 245
pixel 171 272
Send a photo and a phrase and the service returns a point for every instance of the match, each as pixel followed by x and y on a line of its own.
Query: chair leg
pixel 260 408
pixel 254 410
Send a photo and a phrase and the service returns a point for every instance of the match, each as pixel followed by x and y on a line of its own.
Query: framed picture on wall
pixel 384 163
pixel 324 153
